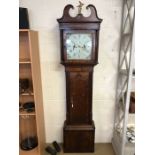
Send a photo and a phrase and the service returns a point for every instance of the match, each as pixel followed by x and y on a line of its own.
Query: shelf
pixel 24 61
pixel 24 113
pixel 132 114
pixel 130 145
pixel 24 30
pixel 31 152
pixel 131 120
pixel 116 141
pixel 128 34
pixel 121 104
pixel 125 72
pixel 27 94
pixel 129 149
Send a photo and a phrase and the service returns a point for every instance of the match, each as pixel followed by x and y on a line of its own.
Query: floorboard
pixel 100 149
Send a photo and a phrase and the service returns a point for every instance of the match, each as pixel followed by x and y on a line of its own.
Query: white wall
pixel 43 15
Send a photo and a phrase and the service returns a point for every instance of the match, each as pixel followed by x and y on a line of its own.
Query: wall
pixel 42 16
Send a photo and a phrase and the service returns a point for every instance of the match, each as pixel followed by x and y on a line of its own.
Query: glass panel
pixel 79 46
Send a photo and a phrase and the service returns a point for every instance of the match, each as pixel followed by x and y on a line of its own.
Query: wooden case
pixel 79 129
pixel 79 95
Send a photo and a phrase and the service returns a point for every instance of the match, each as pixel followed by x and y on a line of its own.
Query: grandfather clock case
pixel 79 38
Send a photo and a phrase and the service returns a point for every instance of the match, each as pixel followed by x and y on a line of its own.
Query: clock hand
pixel 79 53
pixel 73 47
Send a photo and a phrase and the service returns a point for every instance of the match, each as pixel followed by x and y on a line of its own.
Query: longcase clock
pixel 79 38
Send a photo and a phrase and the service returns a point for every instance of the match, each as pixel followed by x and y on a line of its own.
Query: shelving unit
pixel 31 123
pixel 125 84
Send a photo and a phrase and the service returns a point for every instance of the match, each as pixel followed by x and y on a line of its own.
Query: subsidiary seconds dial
pixel 78 46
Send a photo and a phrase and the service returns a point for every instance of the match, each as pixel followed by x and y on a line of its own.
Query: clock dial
pixel 79 46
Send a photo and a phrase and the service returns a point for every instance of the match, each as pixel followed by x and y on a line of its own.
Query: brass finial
pixel 80 7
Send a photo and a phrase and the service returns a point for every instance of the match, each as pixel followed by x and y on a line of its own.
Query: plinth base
pixel 79 138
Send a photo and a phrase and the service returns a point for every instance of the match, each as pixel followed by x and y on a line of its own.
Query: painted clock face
pixel 78 46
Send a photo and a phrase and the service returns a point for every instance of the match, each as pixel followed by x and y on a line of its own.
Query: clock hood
pixel 66 18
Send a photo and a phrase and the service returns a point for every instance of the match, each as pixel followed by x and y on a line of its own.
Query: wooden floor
pixel 100 149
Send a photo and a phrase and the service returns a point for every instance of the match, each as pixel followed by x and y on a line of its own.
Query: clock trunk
pixel 79 95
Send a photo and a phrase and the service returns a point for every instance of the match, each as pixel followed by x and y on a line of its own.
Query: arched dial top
pixel 66 18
